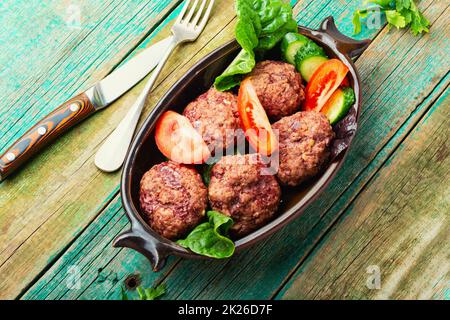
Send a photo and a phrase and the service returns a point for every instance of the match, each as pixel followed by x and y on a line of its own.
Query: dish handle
pixel 351 47
pixel 152 250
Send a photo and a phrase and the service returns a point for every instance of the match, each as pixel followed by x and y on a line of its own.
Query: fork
pixel 186 28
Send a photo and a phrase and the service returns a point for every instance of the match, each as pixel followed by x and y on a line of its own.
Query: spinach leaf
pixel 146 294
pixel 209 238
pixel 261 24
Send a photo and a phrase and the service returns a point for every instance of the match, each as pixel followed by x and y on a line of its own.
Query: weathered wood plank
pixel 183 60
pixel 399 223
pixel 54 197
pixel 278 255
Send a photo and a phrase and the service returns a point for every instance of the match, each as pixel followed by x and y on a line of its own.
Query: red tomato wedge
pixel 254 120
pixel 323 83
pixel 177 139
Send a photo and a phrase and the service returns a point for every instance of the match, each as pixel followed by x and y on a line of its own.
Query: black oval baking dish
pixel 143 153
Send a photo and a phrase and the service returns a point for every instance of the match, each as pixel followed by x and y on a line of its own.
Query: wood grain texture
pixel 45 131
pixel 65 48
pixel 390 110
pixel 60 191
pixel 399 223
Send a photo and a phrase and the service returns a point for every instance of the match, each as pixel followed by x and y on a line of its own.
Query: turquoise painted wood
pixel 404 234
pixel 392 105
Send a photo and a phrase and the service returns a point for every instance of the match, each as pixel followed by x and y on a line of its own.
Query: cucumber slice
pixel 290 44
pixel 338 105
pixel 310 49
pixel 309 65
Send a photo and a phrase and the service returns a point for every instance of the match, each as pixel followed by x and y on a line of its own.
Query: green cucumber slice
pixel 290 45
pixel 310 49
pixel 309 65
pixel 338 105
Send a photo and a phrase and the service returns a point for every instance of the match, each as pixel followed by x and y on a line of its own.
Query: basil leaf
pixel 209 238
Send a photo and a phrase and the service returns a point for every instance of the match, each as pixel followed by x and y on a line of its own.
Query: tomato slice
pixel 345 82
pixel 254 120
pixel 177 139
pixel 323 83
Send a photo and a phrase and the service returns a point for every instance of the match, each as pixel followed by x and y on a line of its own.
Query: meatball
pixel 215 116
pixel 173 199
pixel 242 188
pixel 279 88
pixel 304 146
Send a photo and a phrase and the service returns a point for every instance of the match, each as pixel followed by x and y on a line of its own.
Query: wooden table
pixel 386 212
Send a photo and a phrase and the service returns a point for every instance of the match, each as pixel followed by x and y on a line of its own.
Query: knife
pixel 74 110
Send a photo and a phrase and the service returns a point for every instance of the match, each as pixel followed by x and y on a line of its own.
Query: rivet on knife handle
pixel 65 116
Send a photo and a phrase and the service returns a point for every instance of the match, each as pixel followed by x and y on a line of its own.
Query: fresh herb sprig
pixel 146 294
pixel 399 14
pixel 261 24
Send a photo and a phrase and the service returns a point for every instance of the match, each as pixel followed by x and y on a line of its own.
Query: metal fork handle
pixel 111 154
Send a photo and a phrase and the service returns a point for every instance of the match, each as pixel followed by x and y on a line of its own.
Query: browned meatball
pixel 304 146
pixel 173 199
pixel 215 116
pixel 279 88
pixel 241 188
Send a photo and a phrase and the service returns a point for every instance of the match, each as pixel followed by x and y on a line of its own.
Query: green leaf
pixel 261 24
pixel 231 77
pixel 381 3
pixel 146 294
pixel 141 293
pixel 395 19
pixel 419 23
pixel 407 15
pixel 309 49
pixel 151 293
pixel 206 174
pixel 209 238
pixel 399 13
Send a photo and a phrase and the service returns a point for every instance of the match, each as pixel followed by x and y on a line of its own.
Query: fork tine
pixel 199 13
pixel 183 11
pixel 206 16
pixel 191 12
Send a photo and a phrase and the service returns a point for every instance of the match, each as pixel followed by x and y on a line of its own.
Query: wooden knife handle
pixel 52 126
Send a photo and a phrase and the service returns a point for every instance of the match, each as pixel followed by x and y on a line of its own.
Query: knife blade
pixel 126 76
pixel 76 109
